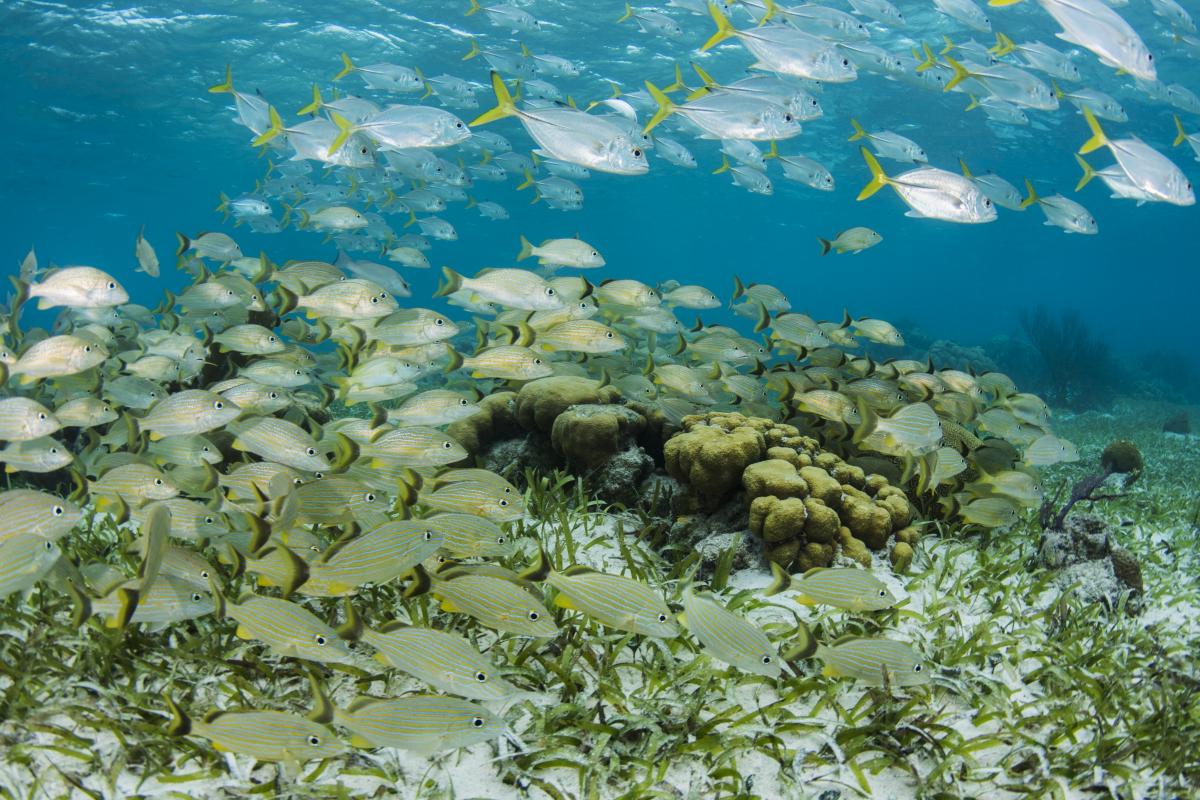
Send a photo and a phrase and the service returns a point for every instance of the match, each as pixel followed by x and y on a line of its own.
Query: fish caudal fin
pixel 345 128
pixel 627 15
pixel 965 171
pixel 347 67
pixel 781 581
pixel 505 107
pixel 929 62
pixel 724 28
pixel 1098 139
pixel 271 132
pixel 1088 172
pixel 525 184
pixel 724 165
pixel 227 86
pixel 474 9
pixel 1002 3
pixel 1181 136
pixel 180 724
pixel 1032 196
pixel 665 106
pixel 859 132
pixel 1003 46
pixel 678 84
pixel 826 245
pixel 451 283
pixel 315 105
pixel 878 178
pixel 961 73
pixel 526 249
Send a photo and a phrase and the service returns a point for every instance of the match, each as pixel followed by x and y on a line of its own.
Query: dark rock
pixel 1083 553
pixel 1178 423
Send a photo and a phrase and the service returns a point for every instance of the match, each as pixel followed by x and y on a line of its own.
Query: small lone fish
pixel 851 589
pixel 875 662
pixel 851 240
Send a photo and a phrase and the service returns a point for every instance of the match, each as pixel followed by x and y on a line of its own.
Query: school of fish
pixel 286 421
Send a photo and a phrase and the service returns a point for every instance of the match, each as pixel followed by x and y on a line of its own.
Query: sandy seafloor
pixel 1156 522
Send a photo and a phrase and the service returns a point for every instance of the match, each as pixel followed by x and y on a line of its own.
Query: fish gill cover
pixel 529 395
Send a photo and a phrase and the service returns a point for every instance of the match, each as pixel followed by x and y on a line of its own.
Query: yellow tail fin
pixel 347 67
pixel 724 28
pixel 345 128
pixel 315 105
pixel 271 132
pixel 505 107
pixel 665 106
pixel 878 178
pixel 627 15
pixel 526 249
pixel 227 86
pixel 1058 93
pixel 773 152
pixel 961 73
pixel 1033 195
pixel 474 51
pixel 1180 137
pixel 1088 172
pixel 950 45
pixel 966 172
pixel 527 182
pixel 859 133
pixel 930 60
pixel 724 166
pixel 678 84
pixel 1098 139
pixel 1002 3
pixel 474 9
pixel 974 104
pixel 1003 46
pixel 704 76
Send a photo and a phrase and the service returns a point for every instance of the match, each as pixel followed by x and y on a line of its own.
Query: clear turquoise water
pixel 108 126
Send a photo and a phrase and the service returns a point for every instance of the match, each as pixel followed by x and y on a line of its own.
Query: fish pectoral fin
pixel 155 436
pixel 830 672
pixel 562 601
pixel 242 633
pixel 360 742
pixel 449 606
pixel 220 748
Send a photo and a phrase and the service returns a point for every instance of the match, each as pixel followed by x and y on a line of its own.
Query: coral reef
pixel 495 420
pixel 952 355
pixel 806 505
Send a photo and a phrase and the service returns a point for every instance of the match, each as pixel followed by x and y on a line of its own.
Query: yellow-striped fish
pixel 85 412
pixel 484 499
pixel 23 419
pixel 24 560
pixel 168 600
pixel 875 662
pixel 728 637
pixel 275 736
pixel 28 511
pixel 422 723
pixel 286 628
pixel 508 362
pixel 469 536
pixel 36 455
pixel 849 588
pixel 446 661
pixel 135 484
pixel 58 356
pixel 379 556
pixel 274 439
pixel 415 446
pixel 432 408
pixel 497 603
pixel 612 600
pixel 188 412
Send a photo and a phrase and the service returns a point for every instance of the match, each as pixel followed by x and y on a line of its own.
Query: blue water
pixel 108 126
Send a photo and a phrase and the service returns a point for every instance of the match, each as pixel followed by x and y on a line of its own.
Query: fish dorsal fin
pixel 213 715
pixel 813 571
pixel 847 640
pixel 359 703
pixel 578 569
pixel 391 626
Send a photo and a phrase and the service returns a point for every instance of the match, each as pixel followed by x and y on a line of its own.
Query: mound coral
pixel 807 505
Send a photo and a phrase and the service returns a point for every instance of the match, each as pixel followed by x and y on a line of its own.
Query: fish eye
pixel 503 503
pixel 916 667
pixel 374 299
pixel 273 395
pixel 845 62
pixel 499 540
pixel 787 117
pixel 209 520
pixel 662 617
pixel 314 740
pixel 370 497
pixel 458 124
pixel 112 285
pixel 766 659
pixel 49 546
pixel 608 335
pixel 447 445
pixel 537 361
pixel 196 597
pixel 534 616
pixel 157 481
pixel 58 511
pixel 463 402
pixel 481 676
pixel 439 321
pixel 321 640
pixel 883 592
pixel 270 340
pixel 637 152
pixel 550 291
pixel 310 451
pixel 87 348
pixel 477 722
pixel 218 405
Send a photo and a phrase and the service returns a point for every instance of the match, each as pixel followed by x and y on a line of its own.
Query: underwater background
pixel 964 567
pixel 109 127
